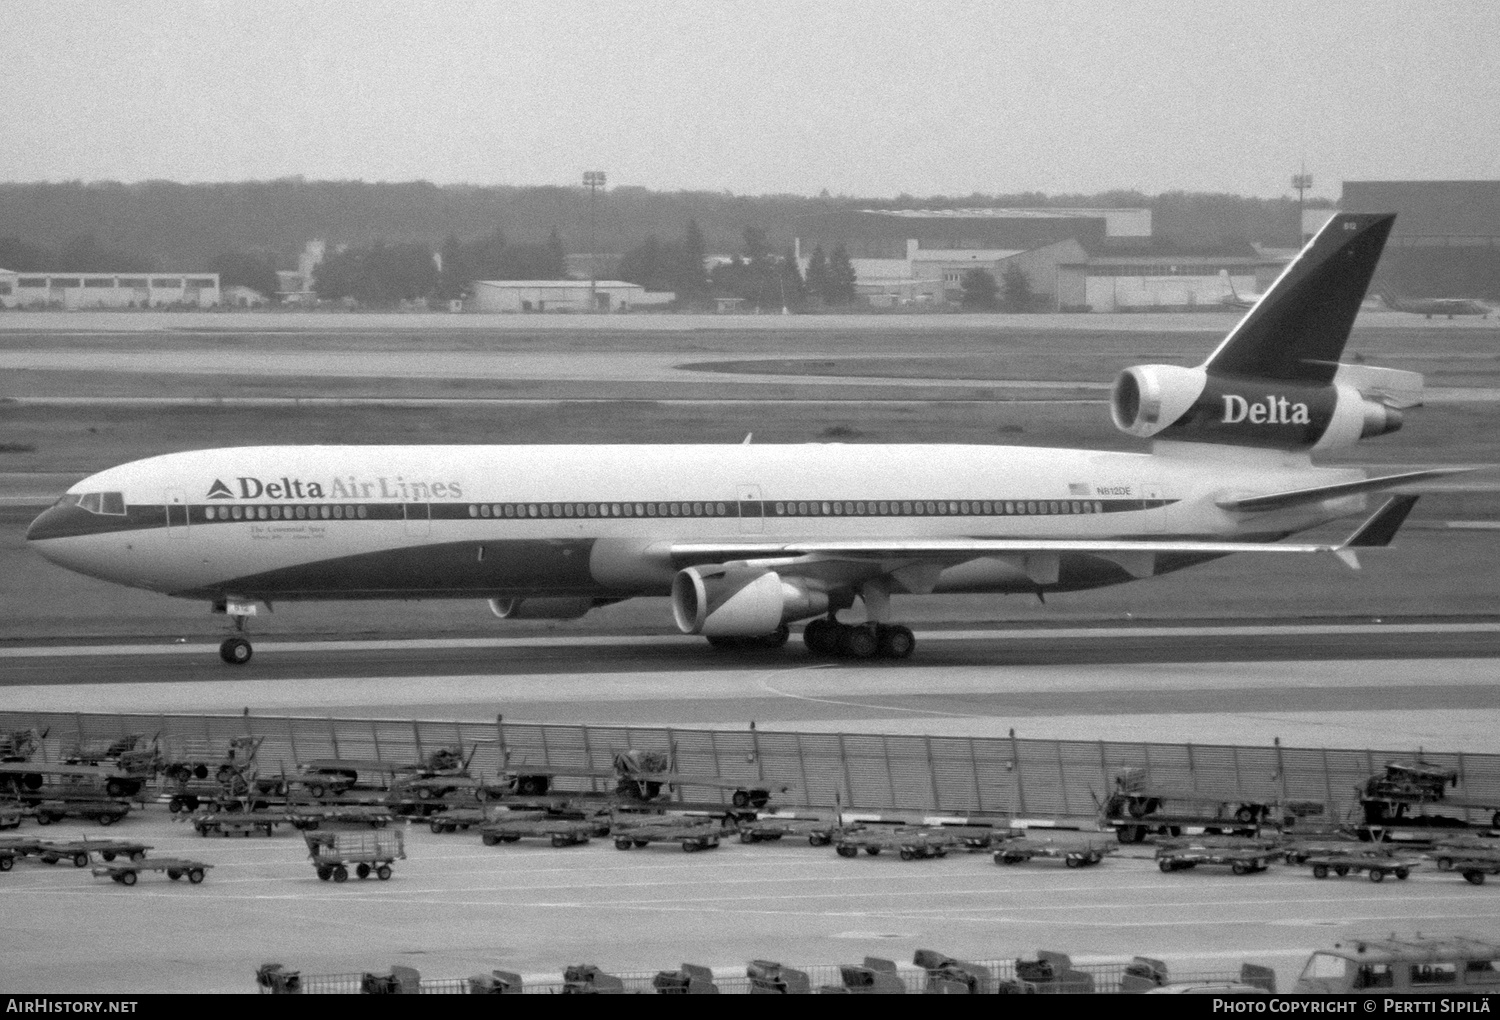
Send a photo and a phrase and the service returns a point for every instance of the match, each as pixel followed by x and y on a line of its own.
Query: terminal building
pixel 1074 259
pixel 109 290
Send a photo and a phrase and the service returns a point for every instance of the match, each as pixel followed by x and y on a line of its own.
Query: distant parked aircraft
pixel 1436 306
pixel 1234 299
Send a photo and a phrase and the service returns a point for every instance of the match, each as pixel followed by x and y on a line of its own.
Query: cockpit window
pixel 96 502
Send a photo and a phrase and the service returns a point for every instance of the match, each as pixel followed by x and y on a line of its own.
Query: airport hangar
pixel 109 290
pixel 1446 241
pixel 1076 260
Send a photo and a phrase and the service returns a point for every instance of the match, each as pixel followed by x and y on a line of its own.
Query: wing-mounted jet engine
pixel 742 601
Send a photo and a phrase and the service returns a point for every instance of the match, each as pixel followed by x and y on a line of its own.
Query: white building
pixel 109 290
pixel 560 296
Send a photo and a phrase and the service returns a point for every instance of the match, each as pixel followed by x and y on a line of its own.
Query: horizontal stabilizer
pixel 1378 531
pixel 1393 387
pixel 1318 493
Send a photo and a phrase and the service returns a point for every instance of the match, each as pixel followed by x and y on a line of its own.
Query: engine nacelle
pixel 541 609
pixel 739 601
pixel 1194 406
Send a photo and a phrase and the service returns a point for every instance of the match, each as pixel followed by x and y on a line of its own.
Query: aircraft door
pixel 418 518
pixel 177 513
pixel 752 509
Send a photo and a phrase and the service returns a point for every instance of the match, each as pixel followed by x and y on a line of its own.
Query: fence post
pixel 1280 767
pixel 333 736
pixel 1018 803
pixel 937 799
pixel 1062 778
pixel 375 739
pixel 801 763
pixel 848 783
pixel 890 775
pixel 974 764
pixel 416 735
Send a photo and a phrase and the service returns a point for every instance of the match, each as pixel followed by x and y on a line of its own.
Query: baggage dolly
pixel 1375 867
pixel 175 868
pixel 1473 869
pixel 560 831
pixel 1239 861
pixel 368 853
pixel 909 845
pixel 692 834
pixel 1078 855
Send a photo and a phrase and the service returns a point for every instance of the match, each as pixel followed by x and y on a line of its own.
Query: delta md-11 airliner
pixel 748 539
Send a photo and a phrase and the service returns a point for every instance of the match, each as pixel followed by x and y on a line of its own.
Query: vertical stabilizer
pixel 1297 331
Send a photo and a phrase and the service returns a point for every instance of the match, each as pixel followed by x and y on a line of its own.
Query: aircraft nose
pixel 52 522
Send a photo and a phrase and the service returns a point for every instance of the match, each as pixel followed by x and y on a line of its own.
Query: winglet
pixel 1382 526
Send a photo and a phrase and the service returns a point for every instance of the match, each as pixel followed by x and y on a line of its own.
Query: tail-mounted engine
pixel 739 601
pixel 1193 405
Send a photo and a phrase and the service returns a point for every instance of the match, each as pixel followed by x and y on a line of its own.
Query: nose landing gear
pixel 236 651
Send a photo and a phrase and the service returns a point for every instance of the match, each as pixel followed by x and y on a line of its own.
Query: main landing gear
pixel 236 649
pixel 828 637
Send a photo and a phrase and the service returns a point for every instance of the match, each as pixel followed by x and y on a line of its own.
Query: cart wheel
pixel 195 875
pixel 7 862
pixel 1166 865
pixel 873 851
pixel 1402 874
pixel 436 826
pixel 174 805
pixel 848 851
pixel 749 837
pixel 1071 861
pixel 49 859
pixel 174 874
pixel 1320 871
pixel 1239 867
pixel 127 878
pixel 904 854
pixel 1474 877
pixel 741 799
pixel 325 874
pixel 341 874
pixel 1377 875
pixel 690 846
pixel 623 844
pixel 138 855
pixel 106 819
pixel 1445 863
pixel 1340 870
pixel 1005 858
pixel 489 839
pixel 383 872
pixel 42 818
pixel 816 840
pixel 362 870
pixel 380 823
pixel 559 840
pixel 80 860
pixel 108 855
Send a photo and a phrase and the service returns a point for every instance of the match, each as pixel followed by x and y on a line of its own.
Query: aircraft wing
pixel 1318 493
pixel 914 563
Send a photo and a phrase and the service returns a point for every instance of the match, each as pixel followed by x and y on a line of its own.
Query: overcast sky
pixel 868 98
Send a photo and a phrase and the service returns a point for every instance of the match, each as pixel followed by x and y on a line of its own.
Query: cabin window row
pixel 277 512
pixel 815 508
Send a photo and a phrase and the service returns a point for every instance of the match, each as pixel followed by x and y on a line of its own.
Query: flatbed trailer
pixel 1241 861
pixel 77 851
pixel 333 854
pixel 311 817
pixel 1376 867
pixel 1073 854
pixel 454 819
pixel 770 829
pixel 908 844
pixel 1474 869
pixel 105 812
pixel 175 868
pixel 692 834
pixel 560 832
pixel 1446 858
pixel 239 823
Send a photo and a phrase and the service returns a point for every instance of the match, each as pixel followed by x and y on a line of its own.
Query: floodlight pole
pixel 1302 183
pixel 593 180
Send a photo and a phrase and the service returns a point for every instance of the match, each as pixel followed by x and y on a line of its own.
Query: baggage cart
pixel 947 976
pixel 174 867
pixel 311 817
pixel 874 977
pixel 772 829
pixel 454 819
pixel 692 834
pixel 559 831
pixel 1073 853
pixel 105 812
pixel 10 816
pixel 1375 866
pixel 334 854
pixel 1473 869
pixel 908 844
pixel 1244 861
pixel 767 977
pixel 77 851
pixel 237 823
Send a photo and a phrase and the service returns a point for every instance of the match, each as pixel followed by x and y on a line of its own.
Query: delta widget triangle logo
pixel 219 491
